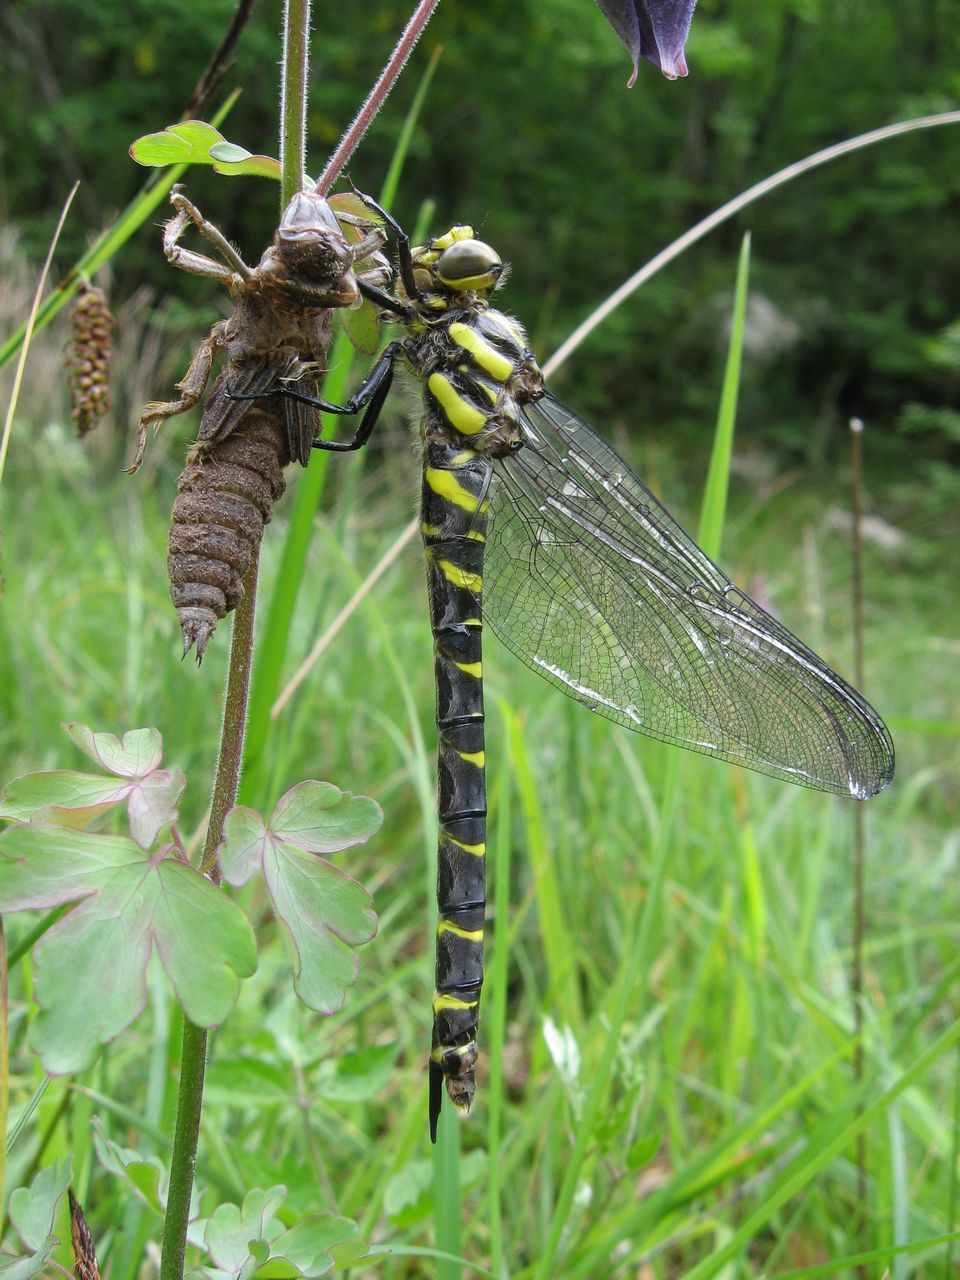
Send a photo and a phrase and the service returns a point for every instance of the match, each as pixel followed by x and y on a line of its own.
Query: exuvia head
pixel 458 262
pixel 311 242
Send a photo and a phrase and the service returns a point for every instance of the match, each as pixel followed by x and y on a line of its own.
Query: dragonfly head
pixel 457 262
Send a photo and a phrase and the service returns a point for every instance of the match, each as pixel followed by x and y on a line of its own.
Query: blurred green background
pixel 733 1071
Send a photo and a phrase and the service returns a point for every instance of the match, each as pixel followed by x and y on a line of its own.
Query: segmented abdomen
pixel 225 496
pixel 453 515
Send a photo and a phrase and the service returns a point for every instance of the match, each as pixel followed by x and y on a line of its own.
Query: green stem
pixel 293 98
pixel 236 698
pixel 296 41
pixel 4 1064
pixel 184 1158
pixel 193 1054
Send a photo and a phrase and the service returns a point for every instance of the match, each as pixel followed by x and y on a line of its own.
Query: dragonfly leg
pixel 383 300
pixel 403 244
pixel 370 395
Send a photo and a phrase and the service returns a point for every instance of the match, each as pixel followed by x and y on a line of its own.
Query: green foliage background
pixel 530 132
pixel 734 1062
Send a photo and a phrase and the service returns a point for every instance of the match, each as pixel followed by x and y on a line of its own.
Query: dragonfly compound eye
pixel 469 264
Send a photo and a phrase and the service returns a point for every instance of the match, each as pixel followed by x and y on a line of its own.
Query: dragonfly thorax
pixel 477 372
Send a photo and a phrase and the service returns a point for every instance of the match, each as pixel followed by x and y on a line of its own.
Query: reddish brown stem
pixel 377 95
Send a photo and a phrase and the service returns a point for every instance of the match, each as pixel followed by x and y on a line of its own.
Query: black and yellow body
pixel 531 519
pixel 455 482
pixel 476 371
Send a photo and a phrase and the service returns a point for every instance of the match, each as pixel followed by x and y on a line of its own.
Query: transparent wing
pixel 594 585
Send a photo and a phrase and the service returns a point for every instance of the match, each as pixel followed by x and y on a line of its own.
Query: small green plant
pixel 114 898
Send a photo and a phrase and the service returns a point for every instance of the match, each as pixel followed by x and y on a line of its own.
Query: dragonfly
pixel 533 524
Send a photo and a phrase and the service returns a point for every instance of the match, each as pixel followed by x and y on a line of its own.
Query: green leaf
pixel 313 1246
pixel 196 142
pixel 643 1151
pixel 361 326
pixel 234 161
pixel 321 818
pixel 236 1238
pixel 138 754
pixel 324 910
pixel 349 202
pixel 357 1077
pixel 145 1174
pixel 77 799
pixel 91 966
pixel 360 322
pixel 714 504
pixel 33 1208
pixel 32 1211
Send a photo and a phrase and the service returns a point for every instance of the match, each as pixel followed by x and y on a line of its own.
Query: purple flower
pixel 652 29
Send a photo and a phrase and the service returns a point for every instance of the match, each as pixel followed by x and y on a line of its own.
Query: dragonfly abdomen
pixel 453 524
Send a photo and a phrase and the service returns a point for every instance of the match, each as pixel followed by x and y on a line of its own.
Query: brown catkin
pixel 86 1266
pixel 89 356
pixel 225 496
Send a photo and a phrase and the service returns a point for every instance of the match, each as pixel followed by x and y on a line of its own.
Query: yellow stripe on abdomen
pixel 460 577
pixel 477 850
pixel 474 669
pixel 471 935
pixel 451 1002
pixel 446 485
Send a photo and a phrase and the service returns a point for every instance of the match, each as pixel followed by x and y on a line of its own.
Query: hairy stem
pixel 293 97
pixel 193 1056
pixel 194 1051
pixel 377 95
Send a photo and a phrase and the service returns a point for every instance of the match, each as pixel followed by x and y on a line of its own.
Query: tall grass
pixel 715 997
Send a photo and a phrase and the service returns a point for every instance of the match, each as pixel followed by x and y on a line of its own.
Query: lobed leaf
pixel 321 818
pixel 33 1210
pixel 196 142
pixel 314 1246
pixel 91 966
pixel 76 799
pixel 324 910
pixel 138 754
pixel 146 1174
pixel 236 1239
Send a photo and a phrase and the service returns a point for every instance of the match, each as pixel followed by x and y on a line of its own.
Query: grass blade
pixel 714 505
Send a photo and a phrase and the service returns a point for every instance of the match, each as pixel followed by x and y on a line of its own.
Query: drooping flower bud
pixel 652 29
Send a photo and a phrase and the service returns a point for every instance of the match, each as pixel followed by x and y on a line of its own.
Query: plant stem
pixel 4 1064
pixel 193 1053
pixel 234 720
pixel 183 1160
pixel 859 883
pixel 293 97
pixel 377 95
